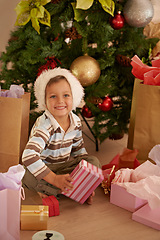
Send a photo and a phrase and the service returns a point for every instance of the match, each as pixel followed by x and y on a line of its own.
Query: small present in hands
pixel 86 178
pixel 15 91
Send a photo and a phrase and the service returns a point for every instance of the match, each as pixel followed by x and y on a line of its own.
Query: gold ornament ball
pixel 86 69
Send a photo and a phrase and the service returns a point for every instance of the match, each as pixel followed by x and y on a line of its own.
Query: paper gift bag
pixel 144 126
pixel 14 127
pixel 10 202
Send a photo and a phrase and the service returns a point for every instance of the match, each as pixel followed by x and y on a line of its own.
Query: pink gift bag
pixel 10 202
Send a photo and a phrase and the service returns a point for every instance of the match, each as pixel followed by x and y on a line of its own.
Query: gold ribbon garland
pixel 106 184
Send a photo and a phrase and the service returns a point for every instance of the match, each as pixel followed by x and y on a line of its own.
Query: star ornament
pixel 32 10
pixel 107 5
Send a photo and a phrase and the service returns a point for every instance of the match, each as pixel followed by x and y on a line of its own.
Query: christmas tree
pixel 58 32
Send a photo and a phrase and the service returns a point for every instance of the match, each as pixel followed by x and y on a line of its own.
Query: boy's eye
pixel 66 95
pixel 52 96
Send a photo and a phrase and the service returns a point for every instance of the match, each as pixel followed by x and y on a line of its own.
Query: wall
pixel 7 20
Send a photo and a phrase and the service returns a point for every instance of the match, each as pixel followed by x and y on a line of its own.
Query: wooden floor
pixel 100 221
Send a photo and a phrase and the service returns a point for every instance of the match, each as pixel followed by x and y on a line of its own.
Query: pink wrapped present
pixel 148 216
pixel 121 198
pixel 86 178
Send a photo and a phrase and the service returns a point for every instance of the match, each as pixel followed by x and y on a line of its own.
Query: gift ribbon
pixel 22 193
pixel 106 183
pixel 39 211
pixel 35 211
pixel 32 10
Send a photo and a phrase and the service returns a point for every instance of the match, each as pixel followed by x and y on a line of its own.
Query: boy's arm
pixel 31 154
pixel 63 182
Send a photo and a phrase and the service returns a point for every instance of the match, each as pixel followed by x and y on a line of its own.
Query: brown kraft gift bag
pixel 14 127
pixel 144 129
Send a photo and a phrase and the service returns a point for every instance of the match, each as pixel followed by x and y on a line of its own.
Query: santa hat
pixel 42 80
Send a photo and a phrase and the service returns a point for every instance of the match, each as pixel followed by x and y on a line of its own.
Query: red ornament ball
pixel 106 105
pixel 86 112
pixel 117 22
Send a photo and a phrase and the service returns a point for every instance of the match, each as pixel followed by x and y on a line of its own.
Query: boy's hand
pixel 64 182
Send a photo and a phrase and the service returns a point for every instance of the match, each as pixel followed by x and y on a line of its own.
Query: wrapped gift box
pixel 86 178
pixel 120 197
pixel 148 216
pixel 53 205
pixel 34 217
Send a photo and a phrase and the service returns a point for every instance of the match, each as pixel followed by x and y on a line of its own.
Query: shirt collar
pixel 74 121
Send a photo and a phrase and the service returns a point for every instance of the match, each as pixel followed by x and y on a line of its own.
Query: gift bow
pixel 149 74
pixel 107 5
pixel 32 10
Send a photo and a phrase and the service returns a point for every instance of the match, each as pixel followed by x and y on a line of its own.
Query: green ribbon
pixel 107 5
pixel 32 10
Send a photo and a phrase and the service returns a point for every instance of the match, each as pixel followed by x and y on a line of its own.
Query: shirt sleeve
pixel 40 135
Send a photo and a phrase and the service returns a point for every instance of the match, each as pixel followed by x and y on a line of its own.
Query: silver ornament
pixel 138 13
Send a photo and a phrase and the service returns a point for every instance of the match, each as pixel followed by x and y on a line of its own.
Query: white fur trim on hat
pixel 43 79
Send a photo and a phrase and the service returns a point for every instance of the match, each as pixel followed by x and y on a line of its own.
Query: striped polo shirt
pixel 49 143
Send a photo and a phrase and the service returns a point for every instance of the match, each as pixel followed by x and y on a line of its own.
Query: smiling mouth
pixel 60 107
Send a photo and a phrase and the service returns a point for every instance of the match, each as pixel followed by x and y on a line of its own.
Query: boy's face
pixel 59 99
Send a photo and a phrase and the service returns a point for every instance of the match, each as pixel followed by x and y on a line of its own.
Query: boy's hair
pixel 55 80
pixel 57 73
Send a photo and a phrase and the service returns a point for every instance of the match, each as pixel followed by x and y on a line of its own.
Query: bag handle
pixel 22 193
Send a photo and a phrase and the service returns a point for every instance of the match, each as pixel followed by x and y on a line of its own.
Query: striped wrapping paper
pixel 86 178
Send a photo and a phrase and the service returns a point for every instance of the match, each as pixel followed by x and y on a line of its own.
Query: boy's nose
pixel 60 99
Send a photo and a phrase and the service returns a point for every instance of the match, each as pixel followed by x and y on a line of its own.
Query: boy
pixel 56 145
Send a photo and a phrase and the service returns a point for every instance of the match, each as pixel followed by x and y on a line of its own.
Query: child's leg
pixel 40 186
pixel 90 199
pixel 93 160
